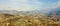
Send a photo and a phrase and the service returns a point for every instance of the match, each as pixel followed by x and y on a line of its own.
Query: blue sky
pixel 28 5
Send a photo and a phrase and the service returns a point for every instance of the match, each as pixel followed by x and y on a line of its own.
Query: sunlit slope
pixel 26 20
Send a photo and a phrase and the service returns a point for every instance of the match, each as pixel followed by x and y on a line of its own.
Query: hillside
pixel 27 20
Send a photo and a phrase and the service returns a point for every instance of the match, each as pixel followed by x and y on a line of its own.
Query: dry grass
pixel 25 20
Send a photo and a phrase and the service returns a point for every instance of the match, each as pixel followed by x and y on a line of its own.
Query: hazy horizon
pixel 29 5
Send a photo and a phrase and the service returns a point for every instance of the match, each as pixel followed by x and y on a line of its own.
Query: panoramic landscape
pixel 30 19
pixel 29 12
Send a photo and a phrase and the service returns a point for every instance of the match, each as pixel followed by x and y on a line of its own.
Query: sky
pixel 29 5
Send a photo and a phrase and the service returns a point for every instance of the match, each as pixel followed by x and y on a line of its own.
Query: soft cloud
pixel 53 6
pixel 59 3
pixel 27 5
pixel 21 5
pixel 56 5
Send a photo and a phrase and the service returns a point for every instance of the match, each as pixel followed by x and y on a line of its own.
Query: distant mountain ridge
pixel 48 12
pixel 56 10
pixel 8 11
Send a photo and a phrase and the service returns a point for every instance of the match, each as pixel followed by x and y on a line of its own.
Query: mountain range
pixel 48 12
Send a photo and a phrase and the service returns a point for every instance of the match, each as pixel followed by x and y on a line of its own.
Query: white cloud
pixel 56 5
pixel 49 8
pixel 59 3
pixel 22 5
